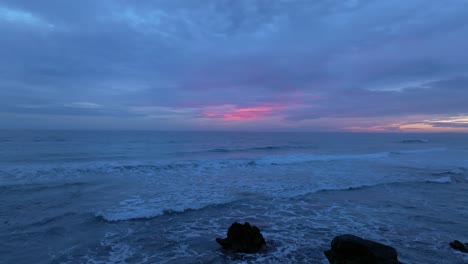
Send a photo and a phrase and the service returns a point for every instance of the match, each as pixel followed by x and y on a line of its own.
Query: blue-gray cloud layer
pixel 172 58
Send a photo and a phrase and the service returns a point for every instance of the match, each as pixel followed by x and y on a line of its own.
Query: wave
pixel 456 171
pixel 50 140
pixel 409 141
pixel 280 148
pixel 75 171
pixel 452 176
pixel 51 219
pixel 29 188
pixel 144 209
pixel 141 209
pixel 301 158
pixel 228 150
pixel 418 151
pixel 141 214
pixel 216 150
pixel 446 179
pixel 441 180
pixel 156 167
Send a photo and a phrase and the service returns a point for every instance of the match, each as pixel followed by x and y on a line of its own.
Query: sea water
pixel 163 197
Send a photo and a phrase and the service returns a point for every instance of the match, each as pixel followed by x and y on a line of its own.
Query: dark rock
pixel 349 249
pixel 457 245
pixel 243 238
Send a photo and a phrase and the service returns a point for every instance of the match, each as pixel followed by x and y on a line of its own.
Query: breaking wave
pixel 140 209
pixel 143 209
pixel 44 172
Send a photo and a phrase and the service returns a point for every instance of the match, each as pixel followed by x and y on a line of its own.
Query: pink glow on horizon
pixel 240 114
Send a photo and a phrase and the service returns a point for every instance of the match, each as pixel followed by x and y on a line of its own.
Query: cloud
pixel 233 113
pixel 435 98
pixel 291 63
pixel 450 122
pixel 16 16
pixel 85 105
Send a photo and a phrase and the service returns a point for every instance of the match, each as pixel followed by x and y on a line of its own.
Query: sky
pixel 240 65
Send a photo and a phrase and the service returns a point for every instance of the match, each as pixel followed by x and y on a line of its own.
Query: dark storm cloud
pixel 304 59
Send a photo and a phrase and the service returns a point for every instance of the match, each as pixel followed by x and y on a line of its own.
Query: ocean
pixel 163 197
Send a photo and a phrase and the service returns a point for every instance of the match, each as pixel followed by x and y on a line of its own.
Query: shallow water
pixel 160 197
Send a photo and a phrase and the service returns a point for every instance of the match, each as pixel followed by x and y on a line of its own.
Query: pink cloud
pixel 241 113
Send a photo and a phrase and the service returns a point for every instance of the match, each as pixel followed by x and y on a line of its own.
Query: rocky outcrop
pixel 457 245
pixel 243 238
pixel 349 249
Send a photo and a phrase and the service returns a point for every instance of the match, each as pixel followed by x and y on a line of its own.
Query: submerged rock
pixel 243 238
pixel 349 249
pixel 457 245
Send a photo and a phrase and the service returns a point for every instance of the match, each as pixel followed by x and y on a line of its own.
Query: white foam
pixel 119 251
pixel 446 179
pixel 137 208
pixel 459 171
pixel 129 209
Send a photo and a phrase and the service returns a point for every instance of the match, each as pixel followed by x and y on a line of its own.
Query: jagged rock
pixel 457 245
pixel 243 238
pixel 349 249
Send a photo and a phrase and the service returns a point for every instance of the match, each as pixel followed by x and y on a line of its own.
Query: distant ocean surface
pixel 163 197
